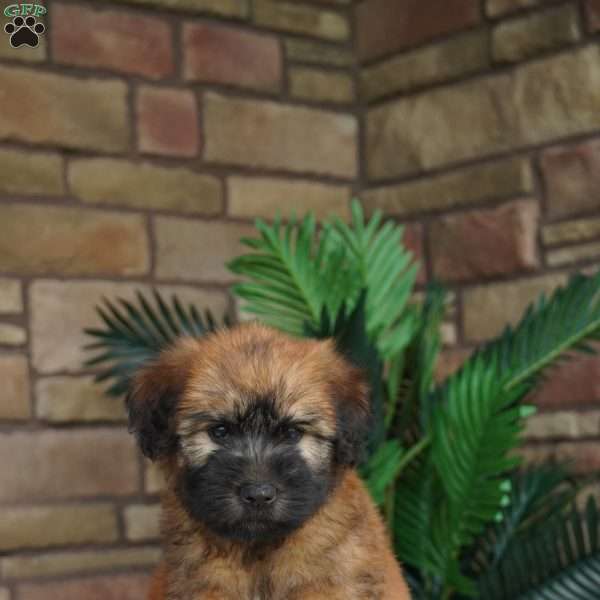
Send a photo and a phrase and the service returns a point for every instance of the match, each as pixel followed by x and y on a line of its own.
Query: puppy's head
pixel 258 424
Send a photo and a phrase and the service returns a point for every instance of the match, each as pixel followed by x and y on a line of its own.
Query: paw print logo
pixel 24 31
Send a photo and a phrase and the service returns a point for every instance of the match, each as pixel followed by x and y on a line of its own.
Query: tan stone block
pixel 489 308
pixel 442 126
pixel 319 53
pixel 142 522
pixel 14 397
pixel 144 185
pixel 251 197
pixel 62 309
pixel 485 243
pixel 573 254
pixel 557 96
pixel 154 481
pixel 572 179
pixel 181 248
pixel 125 42
pixel 463 187
pixel 49 526
pixel 66 399
pixel 563 424
pixel 461 55
pixel 519 39
pixel 231 56
pixel 291 137
pixel 54 109
pixel 12 335
pixel 537 102
pixel 38 173
pixel 571 231
pixel 302 18
pixel 321 86
pixel 225 8
pixel 71 563
pixel 23 53
pixel 70 241
pixel 495 8
pixel 108 587
pixel 11 296
pixel 4 593
pixel 67 464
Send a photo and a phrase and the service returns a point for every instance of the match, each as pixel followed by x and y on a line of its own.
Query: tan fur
pixel 342 552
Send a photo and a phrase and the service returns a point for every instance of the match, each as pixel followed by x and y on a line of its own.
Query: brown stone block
pixel 108 39
pixel 70 241
pixel 14 397
pixel 66 111
pixel 592 11
pixel 385 26
pixel 573 383
pixel 218 54
pixel 167 122
pixel 485 243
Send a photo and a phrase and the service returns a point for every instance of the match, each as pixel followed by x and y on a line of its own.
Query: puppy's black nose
pixel 258 493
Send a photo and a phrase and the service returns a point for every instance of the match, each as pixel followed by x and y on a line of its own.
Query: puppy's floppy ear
pixel 153 397
pixel 353 412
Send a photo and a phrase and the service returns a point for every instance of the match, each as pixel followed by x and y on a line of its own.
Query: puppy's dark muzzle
pixel 258 494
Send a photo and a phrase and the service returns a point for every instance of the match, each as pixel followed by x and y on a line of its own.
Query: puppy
pixel 257 435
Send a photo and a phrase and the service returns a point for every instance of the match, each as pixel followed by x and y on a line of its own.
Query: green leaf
pixel 559 560
pixel 134 334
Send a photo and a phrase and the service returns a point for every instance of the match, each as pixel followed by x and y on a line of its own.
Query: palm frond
pixel 538 494
pixel 388 271
pixel 560 560
pixel 568 320
pixel 475 425
pixel 135 333
pixel 293 273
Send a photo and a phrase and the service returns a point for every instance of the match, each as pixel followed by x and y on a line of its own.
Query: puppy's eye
pixel 220 432
pixel 292 434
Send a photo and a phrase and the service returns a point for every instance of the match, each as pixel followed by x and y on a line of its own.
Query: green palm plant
pixel 465 520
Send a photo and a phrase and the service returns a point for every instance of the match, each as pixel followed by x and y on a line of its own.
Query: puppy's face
pixel 260 425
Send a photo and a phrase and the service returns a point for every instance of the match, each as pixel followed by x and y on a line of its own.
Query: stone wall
pixel 481 131
pixel 137 144
pixel 140 139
